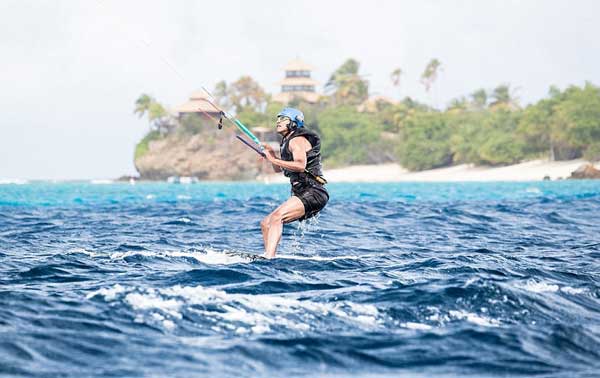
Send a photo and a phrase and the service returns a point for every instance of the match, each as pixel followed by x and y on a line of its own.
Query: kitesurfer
pixel 300 161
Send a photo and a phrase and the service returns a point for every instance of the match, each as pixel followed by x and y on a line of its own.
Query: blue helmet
pixel 294 114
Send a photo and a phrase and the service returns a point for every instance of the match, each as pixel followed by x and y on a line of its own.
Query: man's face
pixel 282 124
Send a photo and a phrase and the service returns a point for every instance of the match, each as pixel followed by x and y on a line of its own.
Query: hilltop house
pixel 297 83
pixel 198 104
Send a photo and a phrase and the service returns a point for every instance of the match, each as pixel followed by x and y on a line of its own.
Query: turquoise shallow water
pixel 398 279
pixel 65 194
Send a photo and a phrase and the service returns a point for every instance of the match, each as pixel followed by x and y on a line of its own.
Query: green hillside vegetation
pixel 484 128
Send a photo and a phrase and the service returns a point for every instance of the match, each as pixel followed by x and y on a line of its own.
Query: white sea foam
pixel 539 287
pixel 543 287
pixel 82 251
pixel 109 293
pixel 573 290
pixel 483 321
pixel 184 220
pixel 208 256
pixel 214 257
pixel 101 182
pixel 441 317
pixel 417 326
pixel 238 313
pixel 153 301
pixel 223 257
pixel 122 255
pixel 168 324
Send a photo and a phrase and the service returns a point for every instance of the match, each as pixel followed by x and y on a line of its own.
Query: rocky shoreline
pixel 207 156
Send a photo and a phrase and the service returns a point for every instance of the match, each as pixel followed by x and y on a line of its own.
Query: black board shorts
pixel 314 198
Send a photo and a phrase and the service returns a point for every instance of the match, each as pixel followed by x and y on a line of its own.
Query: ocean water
pixel 392 280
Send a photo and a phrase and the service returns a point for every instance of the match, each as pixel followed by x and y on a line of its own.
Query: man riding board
pixel 300 152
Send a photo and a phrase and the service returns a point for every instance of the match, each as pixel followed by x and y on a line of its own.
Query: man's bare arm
pixel 276 168
pixel 298 146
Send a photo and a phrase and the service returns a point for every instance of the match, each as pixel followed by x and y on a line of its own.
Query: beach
pixel 533 170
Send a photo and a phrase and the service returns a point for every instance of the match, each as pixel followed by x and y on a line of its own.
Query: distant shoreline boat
pixel 182 180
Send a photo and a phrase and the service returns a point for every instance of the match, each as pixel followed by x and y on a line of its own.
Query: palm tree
pixel 458 105
pixel 142 104
pixel 429 76
pixel 503 96
pixel 158 117
pixel 349 68
pixel 479 99
pixel 395 77
pixel 349 87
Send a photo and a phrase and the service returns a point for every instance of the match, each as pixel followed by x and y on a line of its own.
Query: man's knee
pixel 276 217
pixel 264 224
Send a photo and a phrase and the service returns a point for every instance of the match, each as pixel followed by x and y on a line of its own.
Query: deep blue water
pixel 450 280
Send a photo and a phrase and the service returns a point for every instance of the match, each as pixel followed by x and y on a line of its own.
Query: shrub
pixel 143 146
pixel 425 142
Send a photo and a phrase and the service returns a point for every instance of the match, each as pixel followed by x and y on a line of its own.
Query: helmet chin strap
pixel 291 126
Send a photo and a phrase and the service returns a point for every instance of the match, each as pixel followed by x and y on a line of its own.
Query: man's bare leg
pixel 272 225
pixel 264 226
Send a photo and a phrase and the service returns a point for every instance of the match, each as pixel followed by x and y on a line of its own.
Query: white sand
pixel 529 171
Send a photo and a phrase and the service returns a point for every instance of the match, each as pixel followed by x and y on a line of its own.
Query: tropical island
pixel 486 128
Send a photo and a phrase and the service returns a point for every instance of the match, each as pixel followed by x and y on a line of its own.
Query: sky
pixel 70 71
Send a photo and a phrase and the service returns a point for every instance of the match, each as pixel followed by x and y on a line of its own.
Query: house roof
pixel 196 106
pixel 199 95
pixel 298 65
pixel 197 103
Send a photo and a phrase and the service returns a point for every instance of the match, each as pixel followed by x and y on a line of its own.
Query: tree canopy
pixel 158 117
pixel 347 85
